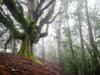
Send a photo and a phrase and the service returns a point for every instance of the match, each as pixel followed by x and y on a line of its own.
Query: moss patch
pixel 25 51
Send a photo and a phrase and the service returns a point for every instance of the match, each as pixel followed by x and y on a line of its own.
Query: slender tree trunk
pixel 81 39
pixel 70 39
pixel 55 54
pixel 43 52
pixel 14 47
pixel 59 47
pixel 32 49
pixel 92 43
pixel 71 46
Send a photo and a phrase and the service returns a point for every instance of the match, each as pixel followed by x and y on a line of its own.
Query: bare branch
pixel 55 16
pixel 45 33
pixel 43 21
pixel 7 42
pixel 40 5
pixel 47 17
pixel 3 32
pixel 46 7
pixel 23 3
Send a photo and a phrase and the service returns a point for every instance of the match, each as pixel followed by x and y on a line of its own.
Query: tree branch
pixel 43 21
pixel 23 3
pixel 16 12
pixel 39 6
pixel 45 33
pixel 46 6
pixel 3 32
pixel 7 42
pixel 48 16
pixel 8 23
pixel 55 16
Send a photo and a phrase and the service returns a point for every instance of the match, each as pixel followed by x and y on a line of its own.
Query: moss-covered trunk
pixel 26 50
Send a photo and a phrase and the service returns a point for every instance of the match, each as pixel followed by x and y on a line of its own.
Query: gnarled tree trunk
pixel 27 50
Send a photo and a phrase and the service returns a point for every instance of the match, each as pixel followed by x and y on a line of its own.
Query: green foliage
pixel 90 63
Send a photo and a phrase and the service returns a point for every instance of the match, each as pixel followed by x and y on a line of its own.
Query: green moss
pixel 16 12
pixel 29 21
pixel 31 29
pixel 25 51
pixel 32 57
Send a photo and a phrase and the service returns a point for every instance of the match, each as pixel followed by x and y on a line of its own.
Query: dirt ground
pixel 11 64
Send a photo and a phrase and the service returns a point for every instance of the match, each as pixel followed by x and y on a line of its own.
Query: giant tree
pixel 31 30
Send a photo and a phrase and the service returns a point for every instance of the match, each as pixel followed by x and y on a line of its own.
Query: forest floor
pixel 11 64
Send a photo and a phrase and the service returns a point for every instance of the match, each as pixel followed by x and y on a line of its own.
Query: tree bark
pixel 14 47
pixel 59 46
pixel 81 40
pixel 92 43
pixel 72 50
pixel 26 50
pixel 43 52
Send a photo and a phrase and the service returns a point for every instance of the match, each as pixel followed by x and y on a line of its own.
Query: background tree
pixel 91 39
pixel 58 38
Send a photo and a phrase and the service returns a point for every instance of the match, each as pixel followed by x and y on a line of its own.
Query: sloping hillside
pixel 11 64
